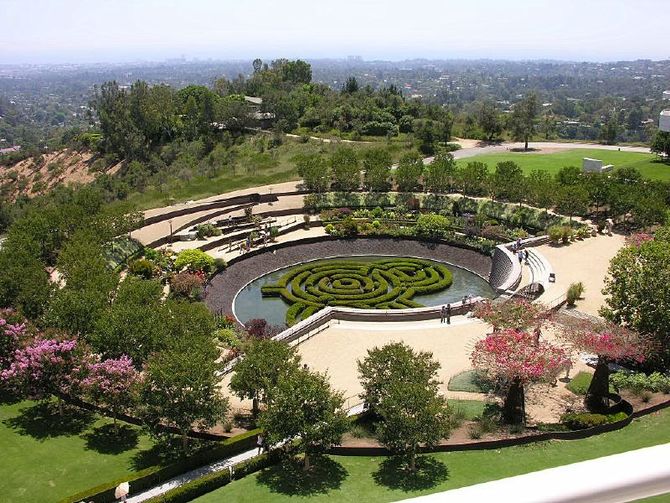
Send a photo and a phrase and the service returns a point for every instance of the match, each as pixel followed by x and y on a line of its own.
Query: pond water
pixel 250 303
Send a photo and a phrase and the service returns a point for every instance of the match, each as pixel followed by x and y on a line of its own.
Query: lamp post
pixel 170 222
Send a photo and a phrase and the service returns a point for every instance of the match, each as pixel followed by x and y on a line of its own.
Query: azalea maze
pixel 380 284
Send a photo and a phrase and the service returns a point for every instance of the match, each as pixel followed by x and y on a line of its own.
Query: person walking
pixel 519 255
pixel 443 314
pixel 448 314
pixel 260 441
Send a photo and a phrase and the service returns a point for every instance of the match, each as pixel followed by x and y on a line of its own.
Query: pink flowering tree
pixel 45 367
pixel 515 358
pixel 515 313
pixel 13 332
pixel 610 343
pixel 111 383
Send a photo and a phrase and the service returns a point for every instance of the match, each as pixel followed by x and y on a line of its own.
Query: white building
pixel 664 121
pixel 666 95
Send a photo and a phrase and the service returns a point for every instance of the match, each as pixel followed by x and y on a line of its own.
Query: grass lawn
pixel 580 383
pixel 470 381
pixel 46 458
pixel 648 164
pixel 469 409
pixel 356 478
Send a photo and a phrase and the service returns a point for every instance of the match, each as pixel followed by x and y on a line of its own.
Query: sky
pixel 91 31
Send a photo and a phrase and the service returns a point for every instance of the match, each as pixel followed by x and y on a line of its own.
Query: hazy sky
pixel 37 31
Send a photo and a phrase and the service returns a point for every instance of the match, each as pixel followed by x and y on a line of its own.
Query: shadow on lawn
pixel 42 421
pixel 393 473
pixel 106 440
pixel 289 477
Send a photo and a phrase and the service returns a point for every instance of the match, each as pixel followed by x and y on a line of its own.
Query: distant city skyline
pixel 75 31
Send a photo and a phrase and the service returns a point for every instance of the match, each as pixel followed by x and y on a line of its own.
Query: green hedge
pixel 150 477
pixel 583 420
pixel 213 481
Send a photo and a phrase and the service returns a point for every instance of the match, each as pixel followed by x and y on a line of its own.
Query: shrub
pixel 194 261
pixel 575 291
pixel 330 229
pixel 583 420
pixel 187 285
pixel 637 382
pixel 142 268
pixel 306 219
pixel 220 264
pixel 207 230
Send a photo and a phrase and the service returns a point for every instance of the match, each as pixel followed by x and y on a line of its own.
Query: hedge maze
pixel 380 284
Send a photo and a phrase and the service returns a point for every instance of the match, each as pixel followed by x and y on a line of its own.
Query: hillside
pixel 37 175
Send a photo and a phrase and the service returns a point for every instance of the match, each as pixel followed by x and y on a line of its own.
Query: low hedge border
pixel 152 476
pixel 213 481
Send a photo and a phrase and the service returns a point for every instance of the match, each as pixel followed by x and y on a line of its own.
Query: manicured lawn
pixel 355 478
pixel 580 383
pixel 44 457
pixel 468 408
pixel 646 163
pixel 470 381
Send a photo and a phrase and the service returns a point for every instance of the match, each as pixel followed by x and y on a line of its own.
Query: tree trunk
pixel 60 405
pixel 597 396
pixel 116 425
pixel 306 467
pixel 184 440
pixel 412 460
pixel 514 408
pixel 254 407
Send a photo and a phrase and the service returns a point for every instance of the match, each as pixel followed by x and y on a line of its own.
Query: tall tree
pixel 409 171
pixel 345 168
pixel 509 182
pixel 401 386
pixel 441 174
pixel 541 189
pixel 524 117
pixel 488 119
pixel 377 166
pixel 473 178
pixel 303 406
pixel 314 171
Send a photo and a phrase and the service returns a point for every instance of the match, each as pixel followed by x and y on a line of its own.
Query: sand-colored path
pixel 586 261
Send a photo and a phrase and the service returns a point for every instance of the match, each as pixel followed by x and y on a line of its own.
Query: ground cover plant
pixel 381 284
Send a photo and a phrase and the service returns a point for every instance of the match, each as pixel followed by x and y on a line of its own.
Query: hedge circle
pixel 381 284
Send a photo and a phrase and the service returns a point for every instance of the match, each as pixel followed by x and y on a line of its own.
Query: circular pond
pixel 292 293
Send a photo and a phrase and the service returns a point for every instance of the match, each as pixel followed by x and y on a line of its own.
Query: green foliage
pixel 194 260
pixel 204 231
pixel 377 166
pixel 637 382
pixel 409 171
pixel 142 268
pixel 575 291
pixel 314 171
pixel 382 284
pixel 345 168
pixel 433 226
pixel 471 381
pixel 583 420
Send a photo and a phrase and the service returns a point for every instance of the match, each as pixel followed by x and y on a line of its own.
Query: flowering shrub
pixel 259 328
pixel 187 285
pixel 12 332
pixel 638 238
pixel 515 313
pixel 44 368
pixel 110 383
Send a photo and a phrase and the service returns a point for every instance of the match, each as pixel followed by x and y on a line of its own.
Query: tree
pixel 408 173
pixel 44 368
pixel 314 171
pixel 110 383
pixel 610 130
pixel 377 167
pixel 401 386
pixel 13 334
pixel 636 294
pixel 345 168
pixel 180 388
pixel 660 144
pixel 509 181
pixel 611 343
pixel 569 176
pixel 433 226
pixel 303 406
pixel 515 313
pixel 541 189
pixel 488 119
pixel 350 86
pixel 441 174
pixel 573 201
pixel 257 65
pixel 24 283
pixel 424 131
pixel 265 362
pixel 524 117
pixel 473 178
pixel 516 358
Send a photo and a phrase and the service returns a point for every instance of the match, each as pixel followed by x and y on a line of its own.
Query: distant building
pixel 666 95
pixel 594 166
pixel 664 121
pixel 9 150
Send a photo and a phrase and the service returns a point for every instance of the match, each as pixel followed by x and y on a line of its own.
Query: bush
pixel 194 261
pixel 187 285
pixel 142 268
pixel 637 382
pixel 220 264
pixel 207 230
pixel 575 291
pixel 583 420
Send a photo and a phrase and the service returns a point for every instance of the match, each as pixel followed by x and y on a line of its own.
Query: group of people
pixel 445 311
pixel 521 254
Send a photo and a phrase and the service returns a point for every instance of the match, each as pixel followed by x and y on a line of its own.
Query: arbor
pixel 345 168
pixel 303 406
pixel 517 359
pixel 488 119
pixel 314 171
pixel 401 387
pixel 265 362
pixel 408 173
pixel 180 388
pixel 441 173
pixel 110 383
pixel 524 117
pixel 377 166
pixel 611 343
pixel 636 294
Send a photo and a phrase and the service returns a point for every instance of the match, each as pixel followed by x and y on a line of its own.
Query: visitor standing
pixel 443 313
pixel 259 443
pixel 525 256
pixel 448 314
pixel 519 255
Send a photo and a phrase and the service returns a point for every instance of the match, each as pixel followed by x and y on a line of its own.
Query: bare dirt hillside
pixel 37 175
